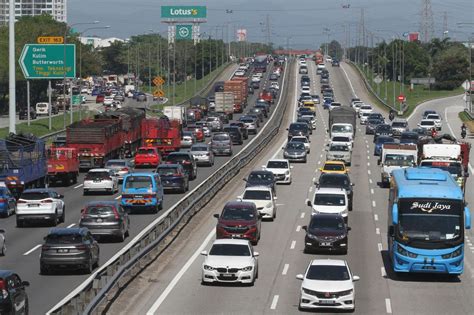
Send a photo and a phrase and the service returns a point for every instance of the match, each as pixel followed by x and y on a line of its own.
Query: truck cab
pixel 63 165
pixel 396 156
pixel 342 130
pixel 142 191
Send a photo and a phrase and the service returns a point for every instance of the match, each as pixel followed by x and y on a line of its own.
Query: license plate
pixel 33 205
pixel 325 244
pixel 236 235
pixel 97 180
pixel 99 220
pixel 327 302
pixel 63 250
pixel 429 267
pixel 226 275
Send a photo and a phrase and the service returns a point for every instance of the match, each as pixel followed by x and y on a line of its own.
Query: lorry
pixel 238 86
pixel 162 133
pixel 63 165
pixel 23 162
pixel 342 122
pixel 175 113
pixel 395 156
pixel 451 157
pixel 224 103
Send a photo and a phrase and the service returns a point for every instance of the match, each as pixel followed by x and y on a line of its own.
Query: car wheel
pixel 20 223
pixel 55 220
pixel 63 215
pixel 90 266
pixel 121 237
pixel 44 270
pixel 4 249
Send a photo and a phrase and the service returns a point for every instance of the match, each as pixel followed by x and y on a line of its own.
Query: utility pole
pixel 445 24
pixel 11 69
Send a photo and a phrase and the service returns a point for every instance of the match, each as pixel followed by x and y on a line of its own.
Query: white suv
pixel 40 204
pixel 330 200
pixel 264 200
pixel 281 170
pixel 101 179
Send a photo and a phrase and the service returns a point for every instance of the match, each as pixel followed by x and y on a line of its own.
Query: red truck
pixel 238 86
pixel 63 165
pixel 162 133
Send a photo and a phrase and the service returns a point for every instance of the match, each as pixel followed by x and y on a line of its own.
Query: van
pixel 42 108
pixel 142 191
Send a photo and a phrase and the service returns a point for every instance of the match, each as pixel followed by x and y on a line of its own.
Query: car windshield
pixel 221 137
pixel 34 195
pixel 294 127
pixel 333 167
pixel 277 164
pixel 339 128
pixel 299 139
pixel 340 139
pixel 339 148
pixel 327 223
pixel 433 116
pixel 381 140
pixel 238 214
pixel 398 160
pixel 409 136
pixel 322 199
pixel 374 122
pixel 229 250
pixel 295 145
pixel 333 180
pixel 41 105
pixel 178 158
pixel 383 128
pixel 397 124
pixel 328 273
pixel 63 239
pixel 138 182
pixel 365 107
pixel 427 123
pixel 98 209
pixel 199 148
pixel 167 171
pixel 257 195
pixel 115 163
pixel 260 176
pixel 146 151
pixel 97 175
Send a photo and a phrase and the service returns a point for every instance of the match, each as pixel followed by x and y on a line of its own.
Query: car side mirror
pixel 349 228
pixel 244 179
pixel 355 278
pixel 216 215
pixel 308 202
pixel 467 218
pixel 264 167
pixel 300 277
pixel 305 227
pixel 61 196
pixel 379 162
pixel 291 166
pixel 391 231
pixel 256 254
pixel 204 253
pixel 286 128
pixel 25 283
pixel 2 231
pixel 83 210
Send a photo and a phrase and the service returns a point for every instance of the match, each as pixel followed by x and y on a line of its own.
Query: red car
pixel 197 132
pixel 239 219
pixel 147 157
pixel 99 98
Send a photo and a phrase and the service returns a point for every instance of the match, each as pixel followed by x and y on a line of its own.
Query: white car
pixel 365 108
pixel 100 179
pixel 328 59
pixel 41 204
pixel 264 200
pixel 342 140
pixel 239 73
pixel 334 105
pixel 427 124
pixel 305 89
pixel 108 100
pixel 364 117
pixel 313 120
pixel 230 260
pixel 327 283
pixel 281 170
pixel 275 86
pixel 437 120
pixel 330 200
pixel 304 140
pixel 256 78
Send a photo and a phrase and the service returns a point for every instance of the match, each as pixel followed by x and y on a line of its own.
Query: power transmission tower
pixel 427 23
pixel 267 24
pixel 362 40
pixel 445 24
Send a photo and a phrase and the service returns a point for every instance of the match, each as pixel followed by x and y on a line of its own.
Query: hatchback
pixel 235 134
pixel 147 157
pixel 221 144
pixel 295 152
pixel 186 159
pixel 14 297
pixel 72 248
pixel 243 129
pixel 120 167
pixel 326 232
pixel 202 154
pixel 105 218
pixel 239 220
pixel 173 177
pixel 333 180
pixel 100 179
pixel 7 202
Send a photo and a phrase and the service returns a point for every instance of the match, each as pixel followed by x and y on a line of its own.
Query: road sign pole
pixel 50 105
pixel 11 68
pixel 28 100
pixel 70 108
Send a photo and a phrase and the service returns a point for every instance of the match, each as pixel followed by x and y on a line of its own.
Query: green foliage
pixel 451 68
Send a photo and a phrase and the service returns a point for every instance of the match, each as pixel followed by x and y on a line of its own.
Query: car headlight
pixel 456 253
pixel 404 252
pixel 311 236
pixel 209 268
pixel 269 205
pixel 248 268
pixel 347 292
pixel 308 291
pixel 287 173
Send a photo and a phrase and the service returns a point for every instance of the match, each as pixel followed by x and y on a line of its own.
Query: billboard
pixel 413 36
pixel 241 35
pixel 183 12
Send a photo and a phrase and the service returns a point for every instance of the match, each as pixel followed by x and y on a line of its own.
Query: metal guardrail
pixel 94 294
pixel 372 91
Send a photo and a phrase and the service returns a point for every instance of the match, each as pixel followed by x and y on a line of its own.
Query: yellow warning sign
pixel 158 81
pixel 158 93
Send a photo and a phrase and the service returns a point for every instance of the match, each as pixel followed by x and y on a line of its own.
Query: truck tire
pixel 63 216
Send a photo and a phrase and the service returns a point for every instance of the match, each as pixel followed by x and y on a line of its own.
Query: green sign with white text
pixel 38 61
pixel 184 31
pixel 183 12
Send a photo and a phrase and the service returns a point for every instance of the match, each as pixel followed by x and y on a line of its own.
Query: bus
pixel 260 63
pixel 427 216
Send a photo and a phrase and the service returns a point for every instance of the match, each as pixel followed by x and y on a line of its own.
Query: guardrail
pixel 372 91
pixel 94 294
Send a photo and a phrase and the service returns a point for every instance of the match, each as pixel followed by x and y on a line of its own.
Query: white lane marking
pixel 372 191
pixel 32 250
pixel 368 147
pixel 279 204
pixel 71 225
pixel 118 197
pixel 302 215
pixel 368 152
pixel 368 163
pixel 369 172
pixel 285 269
pixel 380 246
pixel 311 189
pixel 321 156
pixel 452 132
pixel 178 276
pixel 383 272
pixel 349 81
pixel 298 228
pixel 388 306
pixel 376 217
pixel 370 180
pixel 78 186
pixel 274 302
pixel 377 231
pixel 314 179
pixel 293 244
pixel 373 203
pixel 319 163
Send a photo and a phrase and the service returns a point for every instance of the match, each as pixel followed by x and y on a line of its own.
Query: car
pixel 255 78
pixel 309 120
pixel 342 140
pixel 309 104
pixel 197 132
pixel 327 283
pixel 374 115
pixel 399 126
pixel 99 98
pixel 354 100
pixel 3 243
pixel 221 144
pixel 275 86
pixel 326 87
pixel 363 117
pixel 40 204
pixel 305 111
pixel 273 77
pixel 264 199
pixel 334 167
pixel 255 85
pixel 305 78
pixel 173 177
pixel 14 297
pixel 121 167
pixel 7 202
pixel 304 97
pixel 316 99
pixel 230 261
pixel 335 63
pixel 334 105
pixel 257 113
pixel 298 129
pixel 437 120
pixel 383 130
pixel 303 69
pixel 243 129
pixel 187 139
pixel 326 232
pixel 295 152
pixel 427 124
pixel 302 139
pixel 105 219
pixel 427 112
pixel 381 140
pixel 409 137
pixel 371 125
pixel 366 108
pixel 356 105
pixel 261 178
pixel 305 89
pixel 235 134
pixel 205 129
pixel 339 152
pixel 186 159
pixel 108 100
pixel 324 80
pixel 147 157
pixel 74 248
pixel 239 220
pixel 214 123
pixel 23 114
pixel 251 124
pixel 239 73
pixel 333 180
pixel 100 179
pixel 202 154
pixel 281 170
pixel 330 200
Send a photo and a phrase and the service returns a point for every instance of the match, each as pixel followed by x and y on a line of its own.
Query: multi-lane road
pixel 172 284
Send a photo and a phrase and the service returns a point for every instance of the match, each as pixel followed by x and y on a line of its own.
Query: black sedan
pixel 173 177
pixel 326 232
pixel 261 178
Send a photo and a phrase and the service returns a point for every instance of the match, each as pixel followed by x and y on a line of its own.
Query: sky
pixel 297 23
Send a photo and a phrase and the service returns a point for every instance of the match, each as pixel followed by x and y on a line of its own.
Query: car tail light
pixel 81 247
pixel 47 201
pixel 186 162
pixel 125 169
pixel 2 200
pixel 116 214
pixel 147 196
pixel 21 201
pixel 45 247
pixel 3 288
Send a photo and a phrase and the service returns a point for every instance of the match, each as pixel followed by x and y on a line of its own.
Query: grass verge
pixel 466 119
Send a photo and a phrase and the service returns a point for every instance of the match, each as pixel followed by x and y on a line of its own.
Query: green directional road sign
pixel 76 99
pixel 184 31
pixel 39 61
pixel 183 12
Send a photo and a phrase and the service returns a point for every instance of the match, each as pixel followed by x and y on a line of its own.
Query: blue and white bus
pixel 427 216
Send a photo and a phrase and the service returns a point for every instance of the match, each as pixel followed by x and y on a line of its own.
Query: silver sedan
pixel 202 154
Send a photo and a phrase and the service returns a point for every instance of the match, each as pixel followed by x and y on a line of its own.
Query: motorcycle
pixel 463 133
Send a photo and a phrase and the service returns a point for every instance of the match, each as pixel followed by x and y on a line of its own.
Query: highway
pixel 172 284
pixel 24 244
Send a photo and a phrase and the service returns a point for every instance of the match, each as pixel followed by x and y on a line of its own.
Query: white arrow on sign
pixel 22 61
pixel 466 85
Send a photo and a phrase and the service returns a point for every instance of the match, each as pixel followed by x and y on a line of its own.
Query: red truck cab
pixel 63 165
pixel 147 156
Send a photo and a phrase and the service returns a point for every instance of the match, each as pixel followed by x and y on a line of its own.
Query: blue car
pixel 327 103
pixel 7 202
pixel 381 140
pixel 142 191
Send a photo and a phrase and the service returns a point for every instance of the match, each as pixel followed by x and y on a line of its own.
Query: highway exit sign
pixel 48 61
pixel 183 12
pixel 50 40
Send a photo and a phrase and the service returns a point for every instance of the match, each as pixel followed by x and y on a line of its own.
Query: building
pixel 56 8
pixel 98 42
